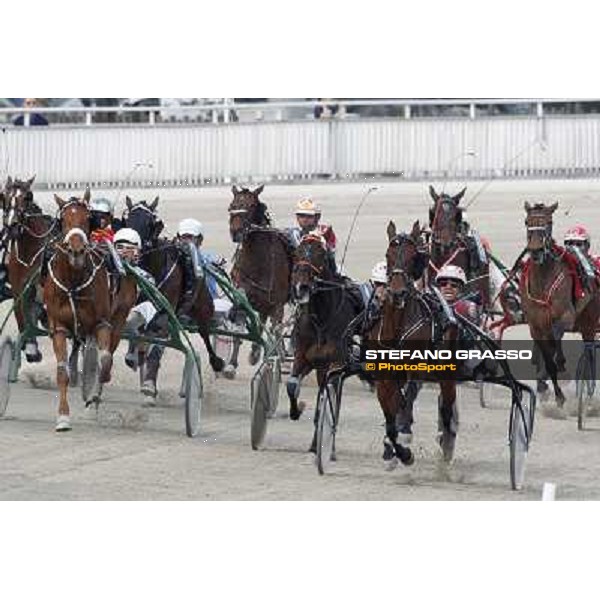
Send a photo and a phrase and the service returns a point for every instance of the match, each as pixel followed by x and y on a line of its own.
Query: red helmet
pixel 577 234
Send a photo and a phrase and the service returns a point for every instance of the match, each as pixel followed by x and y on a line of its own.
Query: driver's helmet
pixel 190 227
pixel 451 272
pixel 578 235
pixel 379 273
pixel 102 205
pixel 307 207
pixel 128 244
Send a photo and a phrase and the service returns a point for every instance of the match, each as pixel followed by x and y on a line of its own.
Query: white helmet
pixel 102 205
pixel 379 273
pixel 307 207
pixel 128 236
pixel 190 227
pixel 451 272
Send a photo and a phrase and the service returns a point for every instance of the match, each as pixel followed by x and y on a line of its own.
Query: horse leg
pixel 103 339
pixel 540 369
pixel 548 348
pixel 59 342
pixel 558 331
pixel 447 419
pixel 230 370
pixel 300 370
pixel 32 352
pixel 216 362
pixel 404 420
pixel 389 396
pixel 74 364
pixel 256 350
pixel 149 388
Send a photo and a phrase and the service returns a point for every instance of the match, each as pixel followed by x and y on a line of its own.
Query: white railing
pixel 280 151
pixel 228 110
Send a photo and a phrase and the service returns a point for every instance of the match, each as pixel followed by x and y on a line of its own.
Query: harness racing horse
pixel 451 246
pixel 77 297
pixel 163 260
pixel 326 307
pixel 554 301
pixel 262 264
pixel 409 318
pixel 28 230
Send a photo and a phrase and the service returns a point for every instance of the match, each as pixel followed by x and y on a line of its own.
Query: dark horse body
pixel 451 246
pixel 263 261
pixel 28 231
pixel 547 287
pixel 162 259
pixel 325 310
pixel 407 318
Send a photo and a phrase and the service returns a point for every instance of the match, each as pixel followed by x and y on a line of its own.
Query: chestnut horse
pixel 549 287
pixel 263 261
pixel 28 231
pixel 407 318
pixel 326 308
pixel 77 297
pixel 162 259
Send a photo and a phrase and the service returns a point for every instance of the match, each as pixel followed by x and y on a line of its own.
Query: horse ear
pixel 128 202
pixel 235 190
pixel 459 196
pixel 154 203
pixel 30 181
pixel 553 207
pixel 258 191
pixel 59 201
pixel 391 231
pixel 433 193
pixel 9 181
pixel 416 230
pixel 87 196
pixel 527 206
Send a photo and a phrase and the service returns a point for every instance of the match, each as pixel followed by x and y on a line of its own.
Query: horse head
pixel 17 200
pixel 445 216
pixel 406 257
pixel 310 265
pixel 74 217
pixel 246 210
pixel 539 230
pixel 144 219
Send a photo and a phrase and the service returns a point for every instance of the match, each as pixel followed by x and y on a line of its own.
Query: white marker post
pixel 549 492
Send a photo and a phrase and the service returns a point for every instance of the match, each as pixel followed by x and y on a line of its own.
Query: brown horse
pixel 326 308
pixel 553 302
pixel 408 318
pixel 263 261
pixel 77 297
pixel 451 246
pixel 163 260
pixel 28 231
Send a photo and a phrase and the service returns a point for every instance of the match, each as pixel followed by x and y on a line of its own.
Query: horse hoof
pixel 34 358
pixel 296 412
pixel 407 458
pixel 149 390
pixel 63 423
pixel 131 360
pixel 217 364
pixel 229 372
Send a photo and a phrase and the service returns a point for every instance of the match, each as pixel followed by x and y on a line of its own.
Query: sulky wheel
pixel 519 437
pixel 261 406
pixel 326 426
pixel 6 357
pixel 193 395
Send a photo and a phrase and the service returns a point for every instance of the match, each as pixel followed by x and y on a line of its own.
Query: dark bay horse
pixel 408 318
pixel 28 231
pixel 553 302
pixel 77 297
pixel 162 258
pixel 451 246
pixel 263 261
pixel 326 308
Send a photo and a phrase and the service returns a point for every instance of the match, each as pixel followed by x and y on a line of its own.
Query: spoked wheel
pixel 261 405
pixel 326 427
pixel 193 396
pixel 90 371
pixel 520 429
pixel 585 382
pixel 274 387
pixel 6 356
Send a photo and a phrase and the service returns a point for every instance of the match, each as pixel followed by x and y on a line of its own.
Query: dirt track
pixel 133 453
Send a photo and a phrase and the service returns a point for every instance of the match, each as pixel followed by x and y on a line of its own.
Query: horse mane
pixel 263 218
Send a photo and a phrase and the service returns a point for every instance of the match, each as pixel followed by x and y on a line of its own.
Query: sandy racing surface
pixel 131 453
